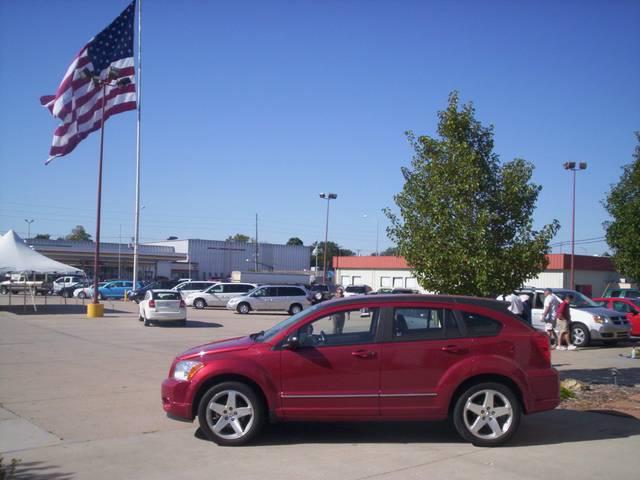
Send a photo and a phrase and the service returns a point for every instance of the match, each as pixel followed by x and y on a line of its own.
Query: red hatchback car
pixel 383 357
pixel 629 306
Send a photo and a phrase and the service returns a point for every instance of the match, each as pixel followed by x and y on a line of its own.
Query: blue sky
pixel 255 107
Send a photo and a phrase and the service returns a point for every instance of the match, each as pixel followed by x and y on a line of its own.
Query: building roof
pixel 557 261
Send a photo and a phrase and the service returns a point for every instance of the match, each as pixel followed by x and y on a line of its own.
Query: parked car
pixel 185 288
pixel 630 307
pixel 87 291
pixel 68 291
pixel 382 291
pixel 621 292
pixel 290 298
pixel 589 321
pixel 356 290
pixel 162 306
pixel 114 289
pixel 138 294
pixel 218 295
pixel 321 292
pixel 400 357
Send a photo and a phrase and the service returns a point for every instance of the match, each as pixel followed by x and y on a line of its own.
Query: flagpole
pixel 139 96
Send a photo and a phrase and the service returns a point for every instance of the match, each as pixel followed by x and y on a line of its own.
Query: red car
pixel 382 357
pixel 629 306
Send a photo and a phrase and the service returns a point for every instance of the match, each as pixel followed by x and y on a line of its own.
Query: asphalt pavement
pixel 80 398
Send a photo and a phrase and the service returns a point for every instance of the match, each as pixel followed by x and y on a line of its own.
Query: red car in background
pixel 629 306
pixel 368 358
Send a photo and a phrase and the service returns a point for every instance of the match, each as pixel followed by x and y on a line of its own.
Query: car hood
pixel 602 311
pixel 221 346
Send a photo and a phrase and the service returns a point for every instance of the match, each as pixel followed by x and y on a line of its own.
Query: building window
pixel 385 281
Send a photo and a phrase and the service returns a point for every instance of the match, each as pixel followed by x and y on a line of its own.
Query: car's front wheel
pixel 580 336
pixel 230 414
pixel 487 414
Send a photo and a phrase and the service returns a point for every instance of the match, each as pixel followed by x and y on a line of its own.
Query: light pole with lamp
pixel 329 197
pixel 29 222
pixel 573 167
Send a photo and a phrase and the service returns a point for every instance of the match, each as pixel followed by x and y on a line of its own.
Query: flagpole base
pixel 95 310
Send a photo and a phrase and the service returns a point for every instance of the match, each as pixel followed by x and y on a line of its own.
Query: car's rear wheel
pixel 580 336
pixel 82 295
pixel 199 303
pixel 230 414
pixel 140 318
pixel 295 308
pixel 244 308
pixel 4 290
pixel 147 323
pixel 487 414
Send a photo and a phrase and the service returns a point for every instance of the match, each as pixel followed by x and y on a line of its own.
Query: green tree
pixel 78 233
pixel 238 237
pixel 42 236
pixel 390 252
pixel 333 250
pixel 623 231
pixel 294 241
pixel 465 221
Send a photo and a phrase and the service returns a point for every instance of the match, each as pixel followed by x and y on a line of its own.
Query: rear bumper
pixel 173 394
pixel 544 387
pixel 169 317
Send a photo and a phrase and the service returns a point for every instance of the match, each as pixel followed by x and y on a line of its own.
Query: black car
pixel 67 292
pixel 138 294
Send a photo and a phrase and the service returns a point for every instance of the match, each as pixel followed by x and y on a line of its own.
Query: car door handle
pixel 454 349
pixel 363 354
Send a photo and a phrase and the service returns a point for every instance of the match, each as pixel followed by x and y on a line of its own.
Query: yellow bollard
pixel 95 310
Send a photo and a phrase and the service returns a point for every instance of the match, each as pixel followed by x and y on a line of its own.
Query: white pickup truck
pixel 19 283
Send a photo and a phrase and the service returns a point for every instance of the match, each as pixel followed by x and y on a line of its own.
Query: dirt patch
pixel 611 399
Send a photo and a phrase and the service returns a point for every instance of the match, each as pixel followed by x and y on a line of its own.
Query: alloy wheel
pixel 230 414
pixel 488 414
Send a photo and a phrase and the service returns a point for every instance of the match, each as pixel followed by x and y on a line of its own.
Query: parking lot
pixel 80 398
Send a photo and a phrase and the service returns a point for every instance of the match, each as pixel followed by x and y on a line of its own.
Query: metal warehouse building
pixel 204 259
pixel 592 274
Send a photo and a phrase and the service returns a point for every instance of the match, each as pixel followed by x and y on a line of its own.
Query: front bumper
pixel 174 395
pixel 611 332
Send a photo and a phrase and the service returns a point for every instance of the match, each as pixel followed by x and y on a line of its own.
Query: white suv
pixel 218 295
pixel 291 298
pixel 589 321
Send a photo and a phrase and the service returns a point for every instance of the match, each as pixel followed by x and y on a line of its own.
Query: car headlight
pixel 600 319
pixel 186 369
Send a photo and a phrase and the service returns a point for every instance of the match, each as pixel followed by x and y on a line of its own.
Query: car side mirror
pixel 291 343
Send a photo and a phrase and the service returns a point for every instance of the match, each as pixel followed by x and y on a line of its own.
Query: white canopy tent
pixel 17 257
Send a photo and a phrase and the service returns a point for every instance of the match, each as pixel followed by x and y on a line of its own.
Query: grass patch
pixel 566 394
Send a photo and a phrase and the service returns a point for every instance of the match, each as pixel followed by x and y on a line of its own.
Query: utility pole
pixel 571 166
pixel 29 222
pixel 257 263
pixel 328 197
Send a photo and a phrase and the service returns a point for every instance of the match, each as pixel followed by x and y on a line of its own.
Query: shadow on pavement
pixel 189 324
pixel 604 376
pixel 39 471
pixel 59 309
pixel 549 428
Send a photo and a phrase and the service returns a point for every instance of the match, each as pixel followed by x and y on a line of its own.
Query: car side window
pixel 424 323
pixel 347 327
pixel 621 307
pixel 480 326
pixel 261 292
pixel 615 293
pixel 218 289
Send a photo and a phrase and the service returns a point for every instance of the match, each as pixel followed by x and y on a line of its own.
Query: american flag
pixel 78 100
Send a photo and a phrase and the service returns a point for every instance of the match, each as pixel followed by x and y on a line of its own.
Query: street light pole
pixel 329 197
pixel 573 167
pixel 29 222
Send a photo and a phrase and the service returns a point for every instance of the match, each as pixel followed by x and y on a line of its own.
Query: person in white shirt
pixel 551 303
pixel 515 304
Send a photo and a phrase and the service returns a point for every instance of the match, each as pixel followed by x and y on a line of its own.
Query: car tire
pixel 140 318
pixel 295 308
pixel 217 410
pixel 146 321
pixel 82 295
pixel 580 336
pixel 199 303
pixel 243 308
pixel 475 419
pixel 100 296
pixel 4 290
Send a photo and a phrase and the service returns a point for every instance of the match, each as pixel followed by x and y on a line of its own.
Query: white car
pixel 162 306
pixel 62 282
pixel 218 295
pixel 85 292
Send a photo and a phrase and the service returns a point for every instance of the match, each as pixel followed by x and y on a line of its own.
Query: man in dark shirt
pixel 563 323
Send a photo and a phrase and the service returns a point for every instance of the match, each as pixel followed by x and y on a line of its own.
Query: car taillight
pixel 152 303
pixel 182 304
pixel 541 343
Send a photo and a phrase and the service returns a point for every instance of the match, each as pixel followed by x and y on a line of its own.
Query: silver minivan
pixel 290 298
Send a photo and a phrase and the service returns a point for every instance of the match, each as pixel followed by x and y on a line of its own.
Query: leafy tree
pixel 294 241
pixel 623 231
pixel 78 233
pixel 465 221
pixel 390 252
pixel 42 236
pixel 238 237
pixel 333 250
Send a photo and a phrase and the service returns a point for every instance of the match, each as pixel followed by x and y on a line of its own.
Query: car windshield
pixel 579 300
pixel 283 325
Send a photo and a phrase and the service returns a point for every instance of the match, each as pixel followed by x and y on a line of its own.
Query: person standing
pixel 515 304
pixel 563 323
pixel 551 302
pixel 338 318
